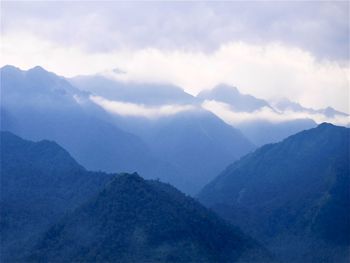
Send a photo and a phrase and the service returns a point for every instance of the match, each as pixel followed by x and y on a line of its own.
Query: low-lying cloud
pixel 139 110
pixel 222 110
pixel 225 112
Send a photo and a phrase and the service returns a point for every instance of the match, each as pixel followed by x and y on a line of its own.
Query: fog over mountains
pixel 158 130
pixel 274 120
pixel 174 132
pixel 41 105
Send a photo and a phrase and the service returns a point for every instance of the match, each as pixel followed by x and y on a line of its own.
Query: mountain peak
pixel 331 112
pixel 38 69
pixel 9 70
pixel 9 67
pixel 326 124
pixel 49 152
pixel 227 88
pixel 232 96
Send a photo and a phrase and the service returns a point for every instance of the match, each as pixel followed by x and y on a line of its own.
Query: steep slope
pixel 293 196
pixel 133 220
pixel 37 105
pixel 199 144
pixel 39 182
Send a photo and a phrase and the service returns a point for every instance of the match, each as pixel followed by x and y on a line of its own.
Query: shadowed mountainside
pixel 293 196
pixel 53 210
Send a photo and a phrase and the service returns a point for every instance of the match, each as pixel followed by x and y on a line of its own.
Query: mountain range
pixel 286 182
pixel 261 122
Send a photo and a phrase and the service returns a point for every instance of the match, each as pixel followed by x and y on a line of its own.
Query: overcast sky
pixel 298 50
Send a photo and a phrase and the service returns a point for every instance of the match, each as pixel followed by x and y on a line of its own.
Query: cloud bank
pixel 270 71
pixel 221 109
pixel 139 110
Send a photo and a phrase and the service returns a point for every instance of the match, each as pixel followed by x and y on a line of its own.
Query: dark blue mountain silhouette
pixel 293 196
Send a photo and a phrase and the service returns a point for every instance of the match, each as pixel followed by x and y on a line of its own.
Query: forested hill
pixel 134 220
pixel 293 195
pixel 53 210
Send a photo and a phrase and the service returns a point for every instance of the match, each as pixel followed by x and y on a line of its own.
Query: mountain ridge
pixel 292 192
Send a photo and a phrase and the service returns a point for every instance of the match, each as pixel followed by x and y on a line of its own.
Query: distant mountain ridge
pixel 149 94
pixel 247 103
pixel 292 196
pixel 232 96
pixel 255 123
pixel 37 105
pixel 186 148
pixel 41 105
pixel 285 104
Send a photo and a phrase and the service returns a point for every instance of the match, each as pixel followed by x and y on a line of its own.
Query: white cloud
pixel 267 71
pixel 222 110
pixel 225 112
pixel 139 110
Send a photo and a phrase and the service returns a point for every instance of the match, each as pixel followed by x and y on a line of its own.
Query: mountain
pixel 256 118
pixel 139 93
pixel 37 104
pixel 231 95
pixel 198 144
pixel 293 196
pixel 133 220
pixel 285 105
pixel 39 182
pixel 53 210
pixel 331 112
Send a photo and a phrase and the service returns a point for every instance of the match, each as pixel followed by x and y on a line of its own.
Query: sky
pixel 276 49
